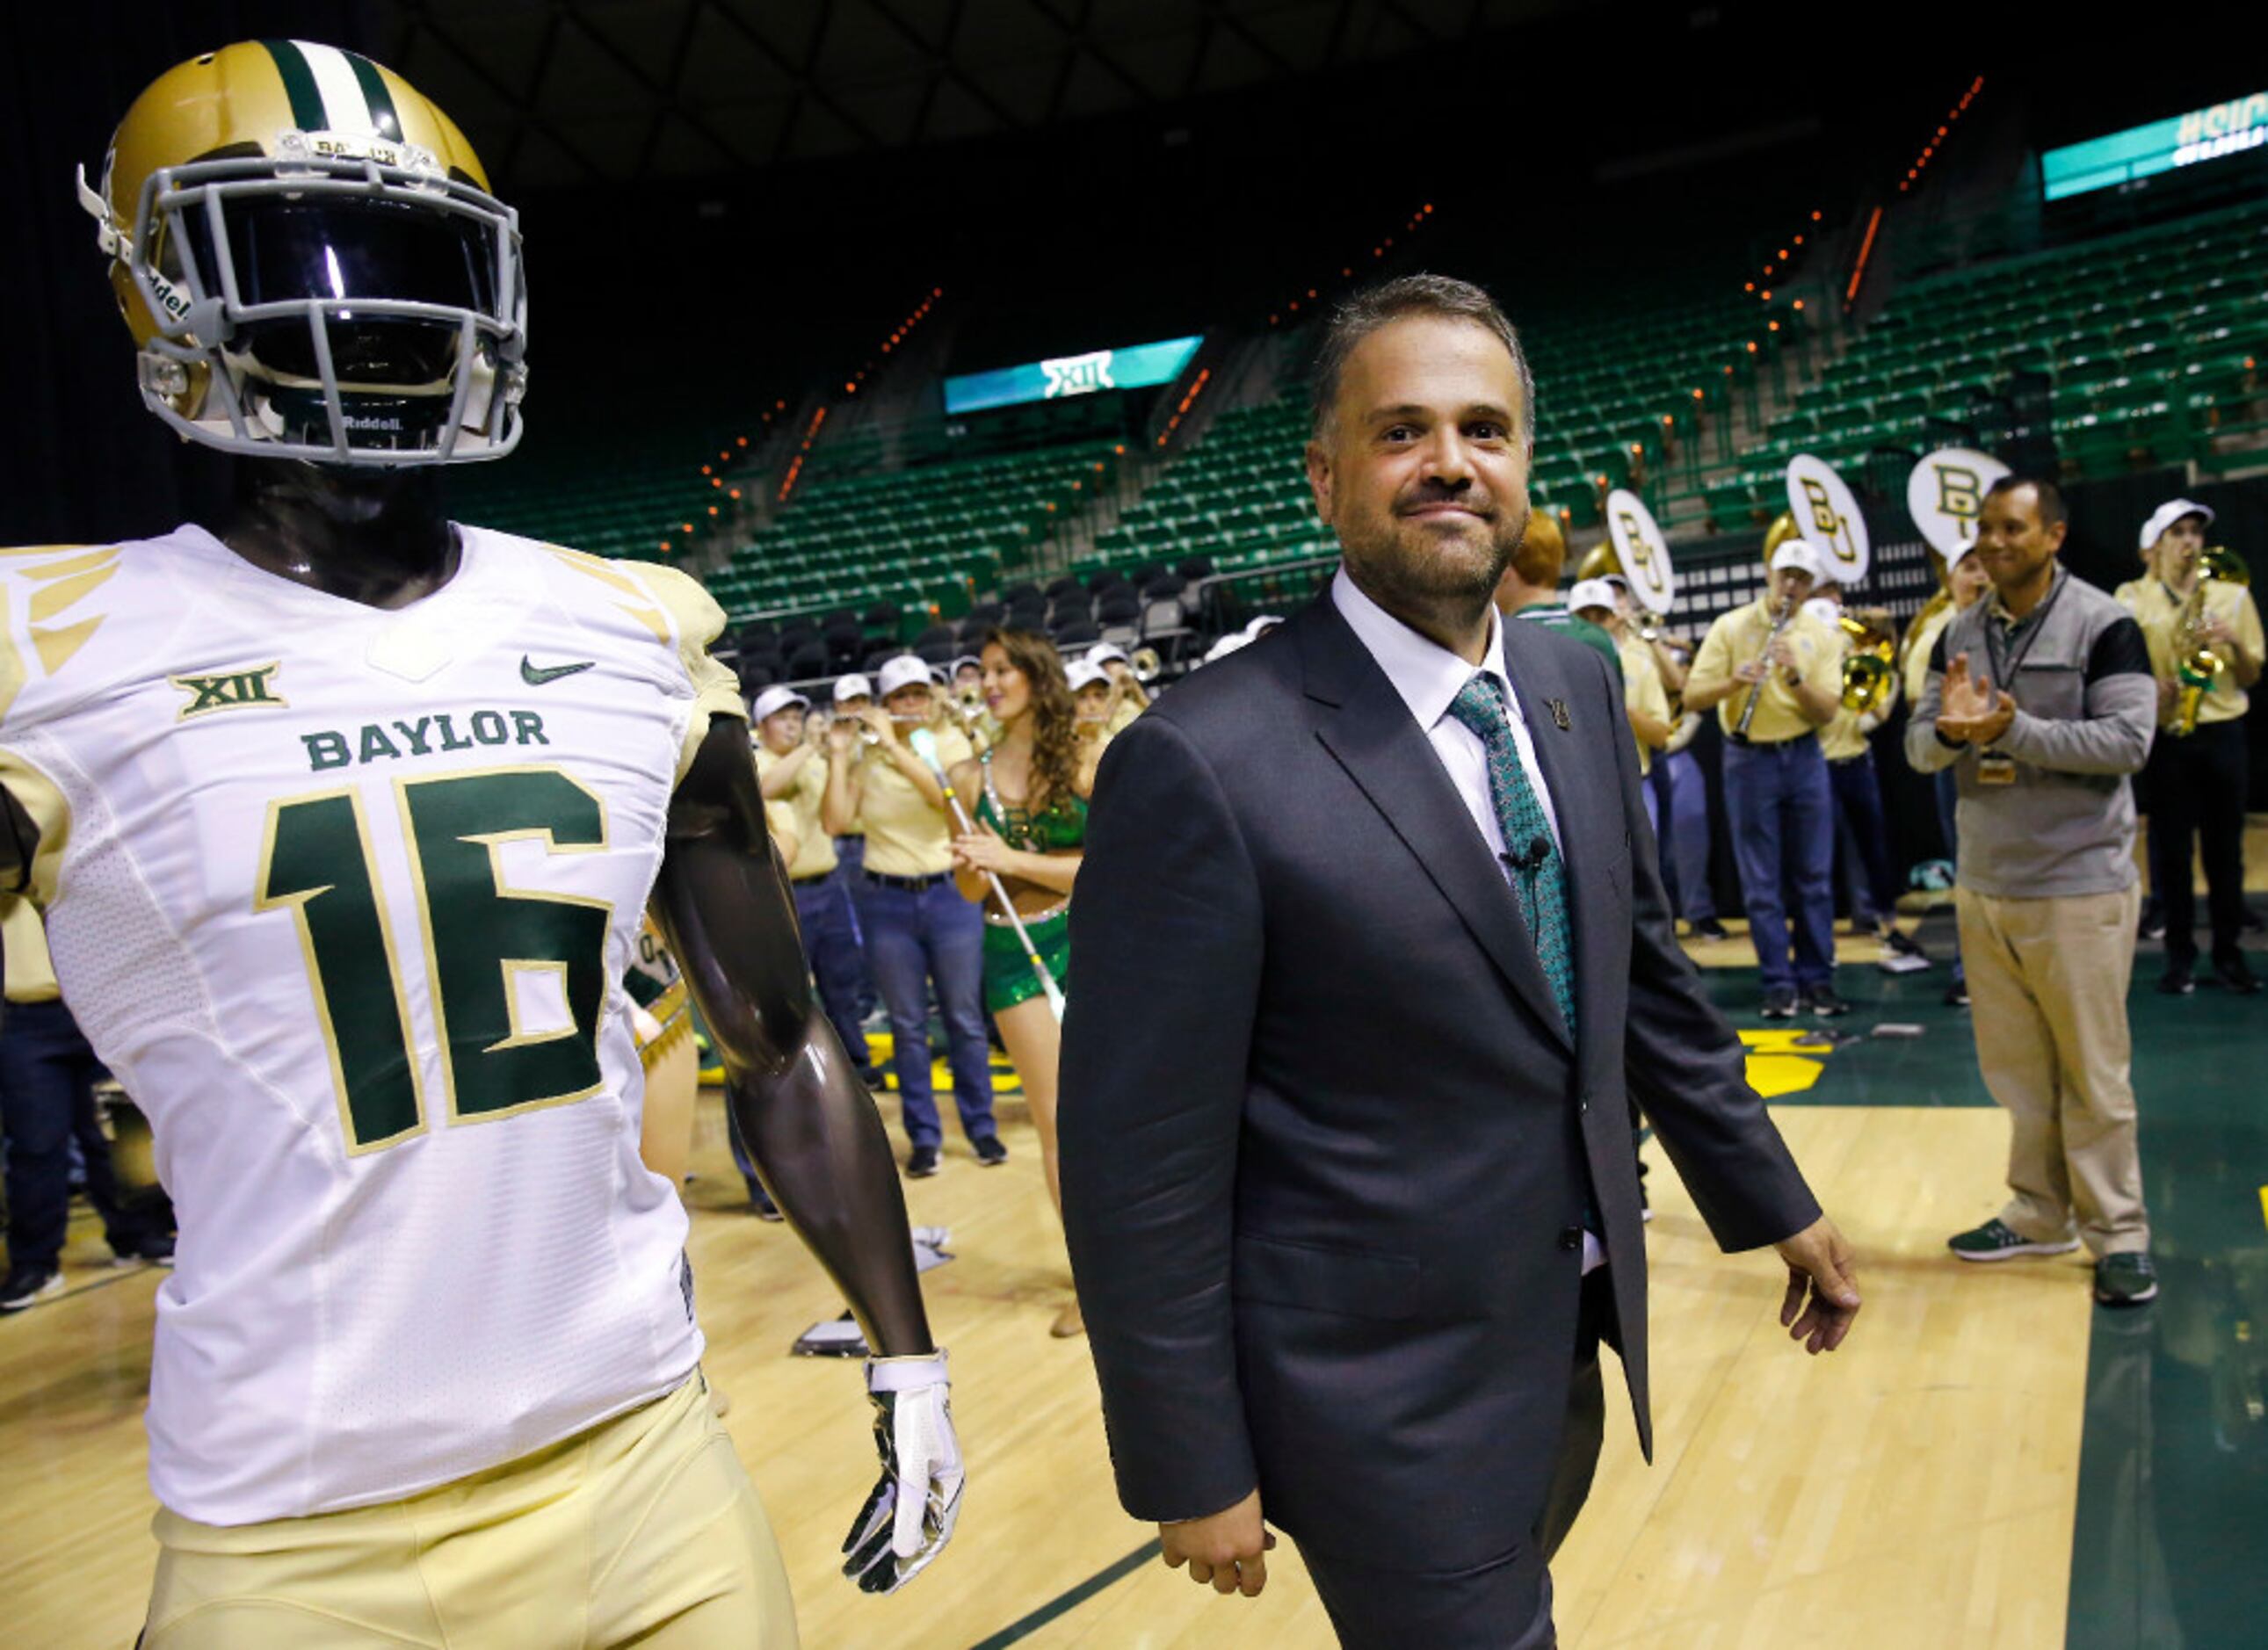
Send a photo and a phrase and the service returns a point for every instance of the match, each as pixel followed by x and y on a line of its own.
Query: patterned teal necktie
pixel 1539 881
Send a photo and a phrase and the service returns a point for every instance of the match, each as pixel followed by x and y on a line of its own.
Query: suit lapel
pixel 1369 731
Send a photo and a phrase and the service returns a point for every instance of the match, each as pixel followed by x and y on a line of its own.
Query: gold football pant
pixel 645 1529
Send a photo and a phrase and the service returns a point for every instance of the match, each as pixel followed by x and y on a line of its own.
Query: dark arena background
pixel 889 319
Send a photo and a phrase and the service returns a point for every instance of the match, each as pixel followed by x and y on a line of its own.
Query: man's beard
pixel 1400 564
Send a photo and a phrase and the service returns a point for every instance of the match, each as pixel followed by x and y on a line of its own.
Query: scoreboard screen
pixel 1134 367
pixel 2141 152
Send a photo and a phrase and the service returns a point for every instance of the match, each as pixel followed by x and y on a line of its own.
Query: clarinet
pixel 1757 689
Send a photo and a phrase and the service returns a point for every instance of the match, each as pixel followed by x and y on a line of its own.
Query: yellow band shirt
pixel 905 835
pixel 2158 612
pixel 815 850
pixel 1738 638
pixel 1642 690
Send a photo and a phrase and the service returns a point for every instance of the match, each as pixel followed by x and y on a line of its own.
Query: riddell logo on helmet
pixel 367 422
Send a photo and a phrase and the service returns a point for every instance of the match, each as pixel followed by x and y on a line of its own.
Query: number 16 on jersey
pixel 482 941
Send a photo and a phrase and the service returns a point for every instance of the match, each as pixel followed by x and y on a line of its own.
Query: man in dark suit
pixel 1372 954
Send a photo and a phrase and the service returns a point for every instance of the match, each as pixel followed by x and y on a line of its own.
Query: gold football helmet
pixel 307 255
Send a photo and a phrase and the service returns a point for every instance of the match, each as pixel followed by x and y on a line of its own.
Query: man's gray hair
pixel 1374 306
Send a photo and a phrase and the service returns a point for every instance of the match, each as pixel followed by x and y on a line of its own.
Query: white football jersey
pixel 345 899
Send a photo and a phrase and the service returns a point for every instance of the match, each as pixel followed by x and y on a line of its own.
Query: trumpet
pixel 1145 665
pixel 1869 671
pixel 1783 616
pixel 2196 664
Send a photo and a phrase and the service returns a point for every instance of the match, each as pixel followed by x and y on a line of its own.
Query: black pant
pixel 1505 1604
pixel 2197 792
pixel 48 1075
pixel 1862 838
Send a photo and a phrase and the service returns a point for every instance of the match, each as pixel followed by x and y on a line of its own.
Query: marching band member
pixel 791 758
pixel 1966 580
pixel 1644 699
pixel 1128 698
pixel 919 931
pixel 1774 675
pixel 1030 821
pixel 1862 826
pixel 2195 776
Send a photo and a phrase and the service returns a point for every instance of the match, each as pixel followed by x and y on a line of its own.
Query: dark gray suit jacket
pixel 1326 1139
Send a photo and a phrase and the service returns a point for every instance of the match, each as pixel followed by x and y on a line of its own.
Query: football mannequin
pixel 419 1251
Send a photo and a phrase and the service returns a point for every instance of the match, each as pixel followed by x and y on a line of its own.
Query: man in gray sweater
pixel 2042 695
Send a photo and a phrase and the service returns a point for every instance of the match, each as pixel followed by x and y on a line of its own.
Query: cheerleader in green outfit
pixel 1032 787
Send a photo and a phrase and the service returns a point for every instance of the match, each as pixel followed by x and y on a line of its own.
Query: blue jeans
pixel 48 1075
pixel 830 944
pixel 914 940
pixel 1782 809
pixel 1687 861
pixel 850 870
pixel 1862 837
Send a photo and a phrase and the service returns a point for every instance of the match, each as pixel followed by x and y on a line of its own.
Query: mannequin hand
pixel 909 1516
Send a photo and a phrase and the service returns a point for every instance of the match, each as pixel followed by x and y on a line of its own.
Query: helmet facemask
pixel 344 303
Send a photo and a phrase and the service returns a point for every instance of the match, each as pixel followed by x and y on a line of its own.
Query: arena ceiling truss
pixel 564 92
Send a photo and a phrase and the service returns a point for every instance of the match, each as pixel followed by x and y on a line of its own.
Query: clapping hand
pixel 1818 1266
pixel 909 1516
pixel 1970 713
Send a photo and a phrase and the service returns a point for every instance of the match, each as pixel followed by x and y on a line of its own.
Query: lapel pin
pixel 1558 713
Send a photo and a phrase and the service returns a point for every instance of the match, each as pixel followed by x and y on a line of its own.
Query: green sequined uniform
pixel 1008 976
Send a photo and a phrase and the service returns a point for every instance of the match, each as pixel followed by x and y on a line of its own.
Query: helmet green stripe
pixel 383 119
pixel 300 85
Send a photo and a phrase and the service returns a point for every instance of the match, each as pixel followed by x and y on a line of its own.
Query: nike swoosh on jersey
pixel 535 675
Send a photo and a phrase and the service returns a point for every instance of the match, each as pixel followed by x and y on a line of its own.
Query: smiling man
pixel 1373 909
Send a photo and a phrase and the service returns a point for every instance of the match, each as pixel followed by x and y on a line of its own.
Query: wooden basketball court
pixel 1917 1489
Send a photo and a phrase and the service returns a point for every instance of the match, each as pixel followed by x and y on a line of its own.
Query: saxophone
pixel 2196 664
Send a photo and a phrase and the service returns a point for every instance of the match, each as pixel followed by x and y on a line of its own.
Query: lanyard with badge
pixel 1994 767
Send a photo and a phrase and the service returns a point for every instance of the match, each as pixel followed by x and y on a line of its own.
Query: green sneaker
pixel 1995 1241
pixel 2126 1279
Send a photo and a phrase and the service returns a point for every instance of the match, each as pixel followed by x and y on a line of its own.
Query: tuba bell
pixel 1869 662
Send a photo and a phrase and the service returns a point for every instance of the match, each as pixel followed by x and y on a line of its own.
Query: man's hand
pixel 1970 713
pixel 1755 670
pixel 1818 1264
pixel 1227 1548
pixel 909 1516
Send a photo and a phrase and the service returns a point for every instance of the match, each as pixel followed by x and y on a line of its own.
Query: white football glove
pixel 909 1516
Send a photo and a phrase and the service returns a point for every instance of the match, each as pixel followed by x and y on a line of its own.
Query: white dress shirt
pixel 1429 677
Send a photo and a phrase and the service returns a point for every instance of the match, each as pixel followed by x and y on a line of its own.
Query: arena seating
pixel 1619 398
pixel 924 538
pixel 621 503
pixel 2150 340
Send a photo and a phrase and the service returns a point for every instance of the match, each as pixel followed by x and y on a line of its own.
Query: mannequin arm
pixel 723 902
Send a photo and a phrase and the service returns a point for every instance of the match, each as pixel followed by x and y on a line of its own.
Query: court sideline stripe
pixel 1064 1603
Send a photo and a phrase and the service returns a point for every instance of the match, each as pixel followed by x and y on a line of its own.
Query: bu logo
pixel 1828 521
pixel 1641 550
pixel 1078 374
pixel 232 690
pixel 1960 496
